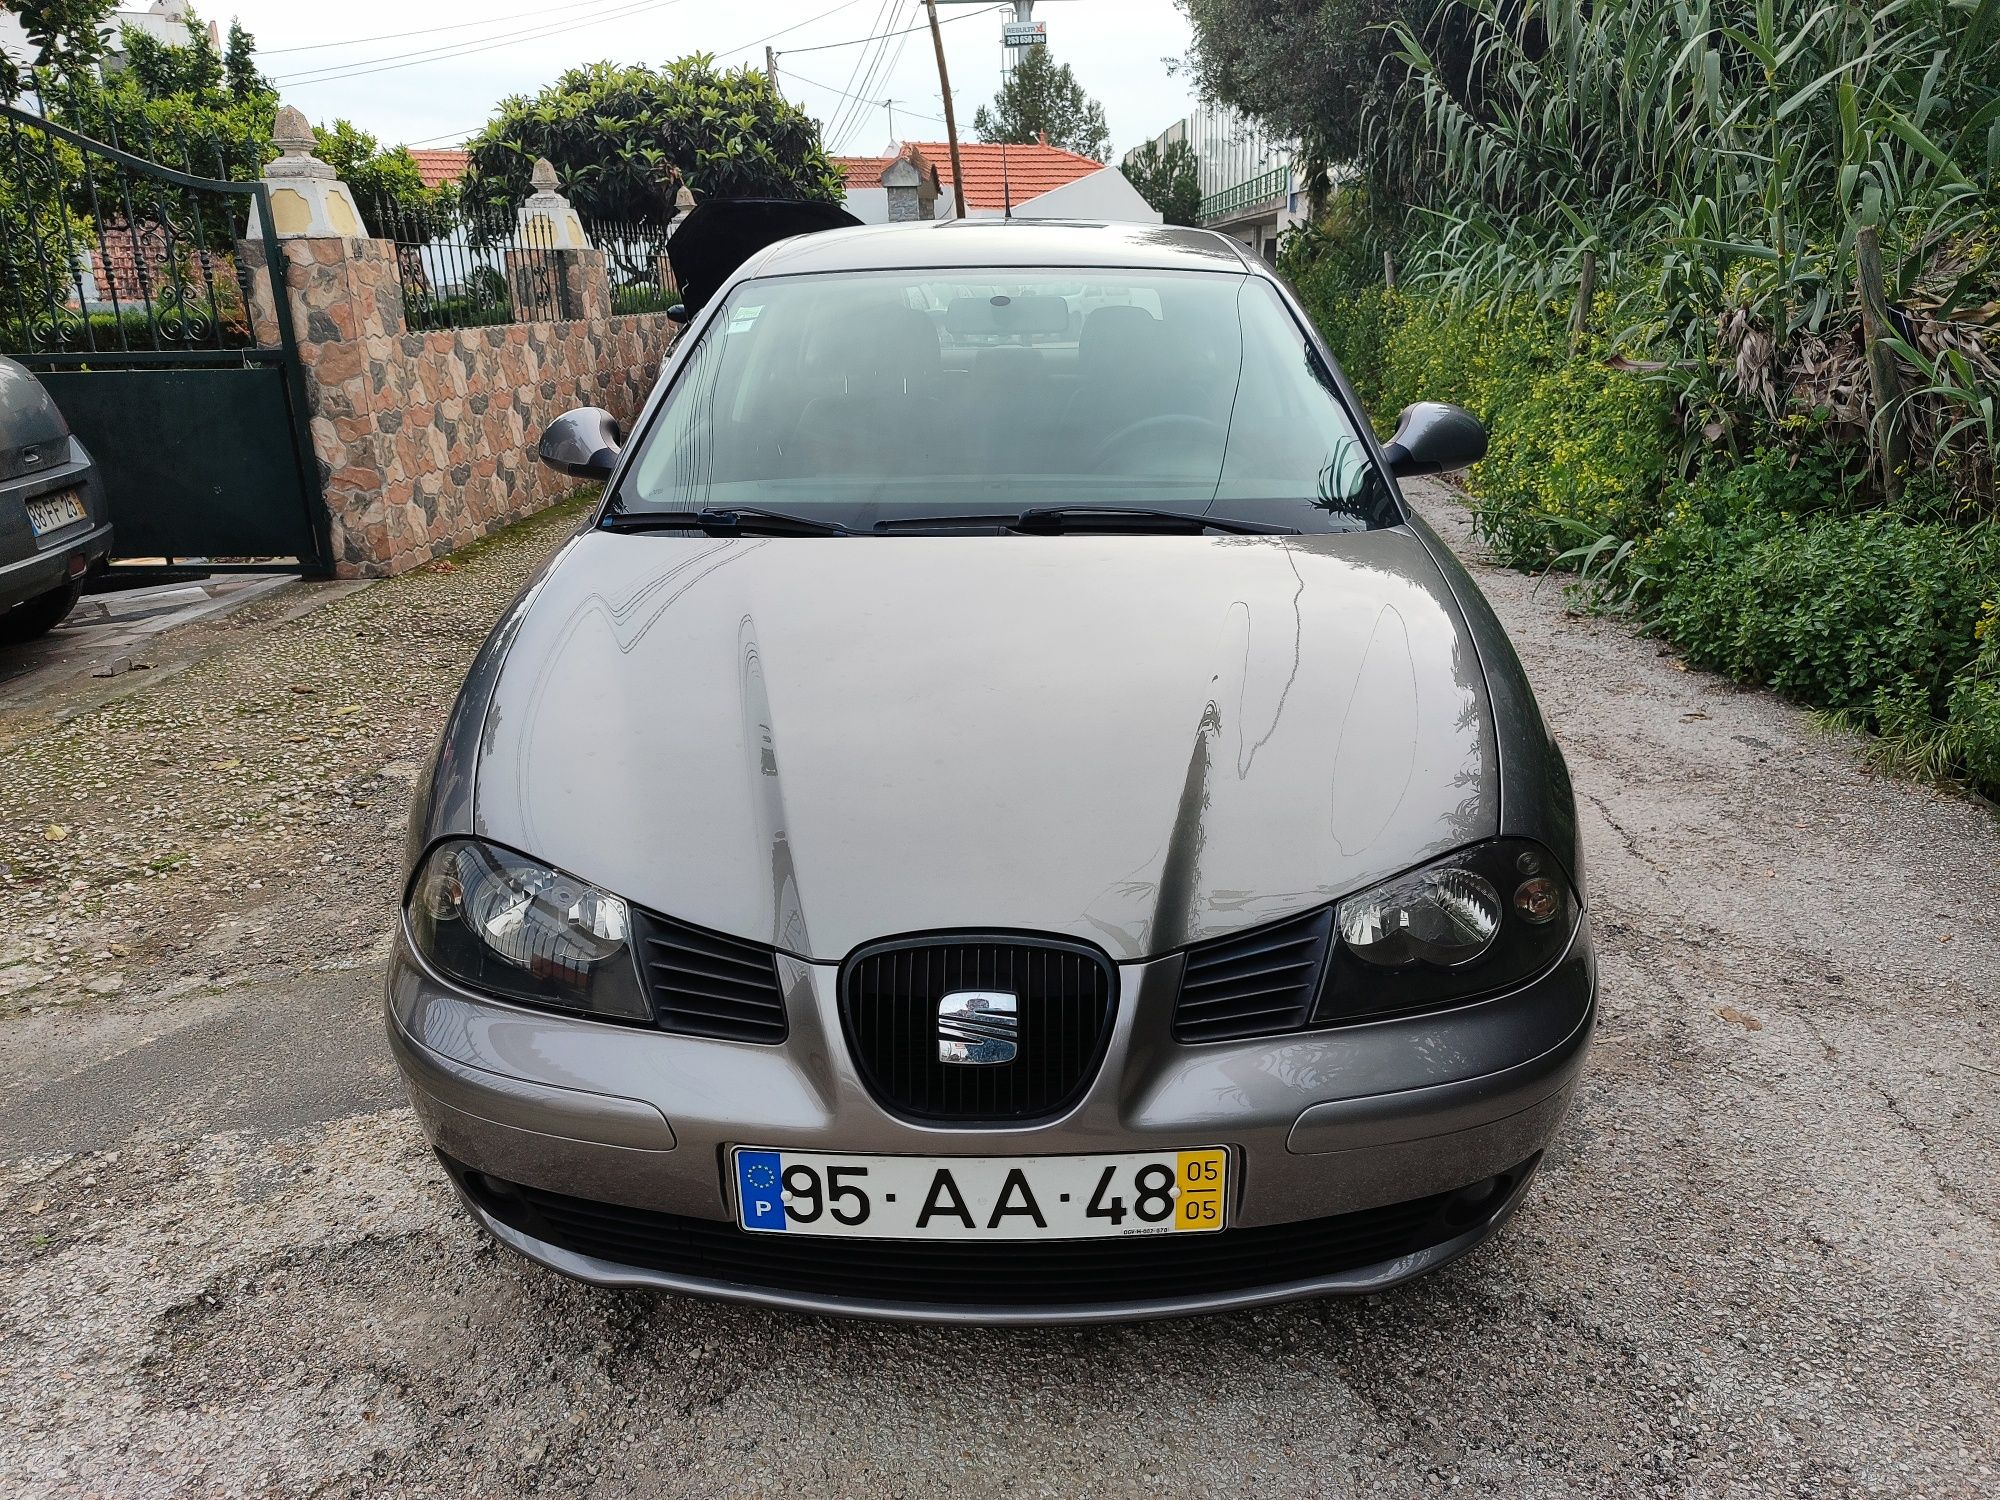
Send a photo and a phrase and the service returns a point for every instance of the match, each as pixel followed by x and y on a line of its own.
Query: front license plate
pixel 981 1197
pixel 53 512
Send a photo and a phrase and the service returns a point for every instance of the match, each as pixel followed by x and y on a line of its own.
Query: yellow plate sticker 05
pixel 1198 1205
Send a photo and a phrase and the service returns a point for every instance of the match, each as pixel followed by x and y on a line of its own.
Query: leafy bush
pixel 1973 715
pixel 1834 610
pixel 1576 447
pixel 641 297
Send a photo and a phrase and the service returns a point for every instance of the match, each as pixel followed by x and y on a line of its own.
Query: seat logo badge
pixel 978 1026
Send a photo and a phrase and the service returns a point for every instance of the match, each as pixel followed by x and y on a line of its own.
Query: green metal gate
pixel 123 287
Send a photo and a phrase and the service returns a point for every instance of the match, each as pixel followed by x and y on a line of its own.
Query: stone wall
pixel 426 441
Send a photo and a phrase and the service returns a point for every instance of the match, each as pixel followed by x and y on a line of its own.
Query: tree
pixel 624 139
pixel 239 66
pixel 1041 97
pixel 1168 180
pixel 68 36
pixel 385 182
pixel 186 105
pixel 1318 71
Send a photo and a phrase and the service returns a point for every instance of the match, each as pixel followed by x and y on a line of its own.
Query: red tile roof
pixel 445 164
pixel 1029 171
pixel 861 171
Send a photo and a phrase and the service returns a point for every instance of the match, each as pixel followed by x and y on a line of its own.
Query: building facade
pixel 1251 186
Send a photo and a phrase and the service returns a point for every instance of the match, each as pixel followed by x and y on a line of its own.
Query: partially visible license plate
pixel 981 1197
pixel 53 512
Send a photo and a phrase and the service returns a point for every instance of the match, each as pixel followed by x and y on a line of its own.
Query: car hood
pixel 1137 741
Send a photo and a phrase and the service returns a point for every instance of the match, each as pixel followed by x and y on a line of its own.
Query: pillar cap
pixel 293 135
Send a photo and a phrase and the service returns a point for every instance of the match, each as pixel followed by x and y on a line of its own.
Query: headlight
pixel 1474 922
pixel 500 922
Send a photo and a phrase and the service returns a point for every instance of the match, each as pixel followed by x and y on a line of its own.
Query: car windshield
pixel 880 396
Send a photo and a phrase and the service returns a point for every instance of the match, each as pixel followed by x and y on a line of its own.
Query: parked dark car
pixel 53 523
pixel 1003 814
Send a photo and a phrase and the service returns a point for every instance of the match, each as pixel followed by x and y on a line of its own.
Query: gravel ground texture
pixel 1761 1258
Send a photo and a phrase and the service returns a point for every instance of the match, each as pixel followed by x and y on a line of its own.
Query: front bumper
pixel 1320 1123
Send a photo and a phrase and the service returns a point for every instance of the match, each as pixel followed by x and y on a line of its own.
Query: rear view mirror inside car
pixel 1001 314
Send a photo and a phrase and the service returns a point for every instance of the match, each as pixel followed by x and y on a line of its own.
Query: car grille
pixel 1254 983
pixel 1016 1273
pixel 704 984
pixel 1064 993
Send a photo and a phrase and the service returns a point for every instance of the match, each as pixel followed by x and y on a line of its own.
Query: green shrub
pixel 641 297
pixel 1578 449
pixel 1973 715
pixel 1835 610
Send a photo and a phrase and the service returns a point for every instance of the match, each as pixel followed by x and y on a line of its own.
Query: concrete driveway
pixel 1761 1260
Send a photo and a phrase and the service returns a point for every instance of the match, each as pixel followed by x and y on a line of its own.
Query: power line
pixel 880 73
pixel 844 5
pixel 468 131
pixel 394 36
pixel 859 41
pixel 883 14
pixel 393 61
pixel 877 103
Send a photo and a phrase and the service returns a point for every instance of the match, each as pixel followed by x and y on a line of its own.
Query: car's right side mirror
pixel 1433 437
pixel 582 443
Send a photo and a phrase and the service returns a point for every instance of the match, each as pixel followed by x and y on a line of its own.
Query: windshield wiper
pixel 738 520
pixel 1047 520
pixel 1053 518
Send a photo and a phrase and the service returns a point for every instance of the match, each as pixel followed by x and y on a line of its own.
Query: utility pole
pixel 890 105
pixel 771 66
pixel 950 115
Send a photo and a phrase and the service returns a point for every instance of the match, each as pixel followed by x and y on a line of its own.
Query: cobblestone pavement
pixel 1762 1258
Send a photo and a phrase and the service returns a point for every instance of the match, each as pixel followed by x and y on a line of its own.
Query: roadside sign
pixel 1024 34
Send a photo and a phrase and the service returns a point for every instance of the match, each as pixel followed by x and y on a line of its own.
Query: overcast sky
pixel 425 95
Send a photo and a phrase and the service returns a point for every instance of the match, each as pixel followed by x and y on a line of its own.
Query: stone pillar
pixel 308 199
pixel 555 276
pixel 586 283
pixel 346 302
pixel 547 220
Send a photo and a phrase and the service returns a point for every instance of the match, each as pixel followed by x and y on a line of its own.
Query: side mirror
pixel 1432 437
pixel 583 443
pixel 678 313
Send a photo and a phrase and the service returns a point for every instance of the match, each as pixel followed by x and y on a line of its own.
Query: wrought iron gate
pixel 123 287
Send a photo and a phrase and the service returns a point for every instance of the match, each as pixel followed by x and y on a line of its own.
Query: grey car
pixel 1002 814
pixel 53 523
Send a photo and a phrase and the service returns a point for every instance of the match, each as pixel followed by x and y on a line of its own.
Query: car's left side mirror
pixel 678 313
pixel 582 443
pixel 1433 437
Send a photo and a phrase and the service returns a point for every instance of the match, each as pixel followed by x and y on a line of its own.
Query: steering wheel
pixel 1162 431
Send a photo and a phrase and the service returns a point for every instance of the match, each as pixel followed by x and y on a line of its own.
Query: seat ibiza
pixel 1001 814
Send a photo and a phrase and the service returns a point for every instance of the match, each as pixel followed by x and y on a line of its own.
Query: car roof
pixel 949 243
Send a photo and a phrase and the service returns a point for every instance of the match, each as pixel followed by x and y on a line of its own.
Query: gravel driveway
pixel 1761 1259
